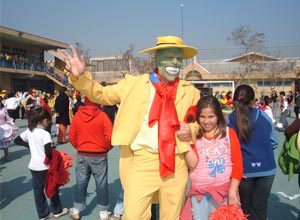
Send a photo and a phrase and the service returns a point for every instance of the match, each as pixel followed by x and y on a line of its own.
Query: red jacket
pixel 58 174
pixel 90 131
pixel 45 106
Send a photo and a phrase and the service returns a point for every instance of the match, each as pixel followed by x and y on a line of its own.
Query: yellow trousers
pixel 139 171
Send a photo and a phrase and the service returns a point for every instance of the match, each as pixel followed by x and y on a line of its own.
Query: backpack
pixel 289 157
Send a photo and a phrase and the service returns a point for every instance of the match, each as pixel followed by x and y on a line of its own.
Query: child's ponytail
pixel 242 101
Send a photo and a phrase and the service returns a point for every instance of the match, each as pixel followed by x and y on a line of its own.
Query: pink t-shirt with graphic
pixel 215 163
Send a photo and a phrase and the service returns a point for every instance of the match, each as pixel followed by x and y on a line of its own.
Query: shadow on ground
pixel 278 209
pixel 19 186
pixel 67 197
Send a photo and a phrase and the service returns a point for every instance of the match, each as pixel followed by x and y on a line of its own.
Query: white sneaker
pixel 74 213
pixel 63 212
pixel 103 215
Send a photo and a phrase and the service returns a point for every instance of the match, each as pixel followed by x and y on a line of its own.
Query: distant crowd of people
pixel 20 61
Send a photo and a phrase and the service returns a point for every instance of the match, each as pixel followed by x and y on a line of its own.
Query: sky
pixel 108 27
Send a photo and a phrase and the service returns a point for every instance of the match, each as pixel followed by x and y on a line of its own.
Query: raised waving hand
pixel 75 64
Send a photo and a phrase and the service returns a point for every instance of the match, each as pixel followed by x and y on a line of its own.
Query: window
pixel 280 82
pixel 5 49
pixel 99 65
pixel 105 65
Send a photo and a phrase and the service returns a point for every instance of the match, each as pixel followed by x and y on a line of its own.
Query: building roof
pixel 194 71
pixel 252 56
pixel 20 37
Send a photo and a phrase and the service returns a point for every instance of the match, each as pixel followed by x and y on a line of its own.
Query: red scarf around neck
pixel 164 112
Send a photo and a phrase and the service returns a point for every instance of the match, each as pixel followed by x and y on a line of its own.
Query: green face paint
pixel 169 62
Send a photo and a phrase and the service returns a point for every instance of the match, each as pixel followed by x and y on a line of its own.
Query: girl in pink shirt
pixel 215 178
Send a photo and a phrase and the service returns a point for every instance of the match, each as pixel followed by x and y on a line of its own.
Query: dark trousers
pixel 48 128
pixel 254 195
pixel 155 212
pixel 22 112
pixel 38 184
pixel 12 113
pixel 297 110
pixel 283 118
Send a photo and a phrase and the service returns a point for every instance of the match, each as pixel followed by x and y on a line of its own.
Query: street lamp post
pixel 181 7
pixel 181 13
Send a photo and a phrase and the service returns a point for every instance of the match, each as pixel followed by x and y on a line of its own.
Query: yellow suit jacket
pixel 133 93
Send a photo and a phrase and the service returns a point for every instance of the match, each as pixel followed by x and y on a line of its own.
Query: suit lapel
pixel 180 92
pixel 144 94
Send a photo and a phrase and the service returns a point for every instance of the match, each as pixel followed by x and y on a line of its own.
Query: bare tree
pixel 83 51
pixel 278 70
pixel 127 58
pixel 143 64
pixel 134 64
pixel 249 42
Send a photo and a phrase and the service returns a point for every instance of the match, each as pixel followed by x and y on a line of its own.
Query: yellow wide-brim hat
pixel 165 42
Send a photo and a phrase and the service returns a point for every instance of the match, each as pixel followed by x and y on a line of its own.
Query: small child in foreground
pixel 39 141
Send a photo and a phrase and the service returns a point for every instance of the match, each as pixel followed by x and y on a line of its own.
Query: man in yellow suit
pixel 149 127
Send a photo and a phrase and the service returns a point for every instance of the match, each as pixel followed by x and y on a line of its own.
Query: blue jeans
pixel 202 208
pixel 283 118
pixel 85 166
pixel 119 208
pixel 38 184
pixel 254 194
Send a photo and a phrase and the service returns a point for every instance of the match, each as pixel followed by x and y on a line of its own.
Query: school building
pixel 263 72
pixel 23 65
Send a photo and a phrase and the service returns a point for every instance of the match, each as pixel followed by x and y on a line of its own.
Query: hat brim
pixel 188 52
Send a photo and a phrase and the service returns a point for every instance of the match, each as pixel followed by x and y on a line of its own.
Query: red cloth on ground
pixel 164 112
pixel 58 174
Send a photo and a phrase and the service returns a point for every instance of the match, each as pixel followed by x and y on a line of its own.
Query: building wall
pixel 22 63
pixel 5 81
pixel 23 82
pixel 262 81
pixel 109 69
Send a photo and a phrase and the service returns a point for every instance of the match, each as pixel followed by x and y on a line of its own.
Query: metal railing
pixel 35 66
